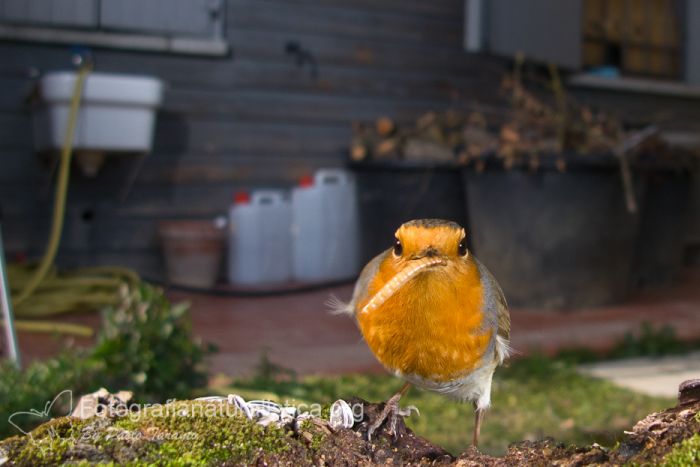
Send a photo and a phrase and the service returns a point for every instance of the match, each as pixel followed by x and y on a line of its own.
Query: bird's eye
pixel 398 248
pixel 462 248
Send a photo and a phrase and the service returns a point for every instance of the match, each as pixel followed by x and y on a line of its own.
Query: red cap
pixel 241 197
pixel 20 257
pixel 306 181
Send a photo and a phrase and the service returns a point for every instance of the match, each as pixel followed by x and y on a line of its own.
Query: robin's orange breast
pixel 432 325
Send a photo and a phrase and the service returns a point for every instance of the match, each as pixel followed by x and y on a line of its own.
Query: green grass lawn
pixel 532 398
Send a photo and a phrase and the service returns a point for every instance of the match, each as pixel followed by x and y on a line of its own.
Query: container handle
pixel 331 177
pixel 263 197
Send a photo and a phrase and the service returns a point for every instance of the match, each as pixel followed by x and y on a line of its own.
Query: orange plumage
pixel 432 313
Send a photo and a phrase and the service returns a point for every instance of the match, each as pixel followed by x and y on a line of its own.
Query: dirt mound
pixel 185 432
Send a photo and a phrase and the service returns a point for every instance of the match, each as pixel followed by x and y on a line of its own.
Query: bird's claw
pixel 391 411
pixel 408 411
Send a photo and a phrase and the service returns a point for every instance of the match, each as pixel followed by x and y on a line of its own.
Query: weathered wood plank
pixel 331 20
pixel 240 171
pixel 15 90
pixel 357 75
pixel 15 132
pixel 21 166
pixel 24 235
pixel 340 80
pixel 437 8
pixel 269 44
pixel 184 201
pixel 148 262
pixel 267 47
pixel 292 107
pixel 175 134
pixel 125 234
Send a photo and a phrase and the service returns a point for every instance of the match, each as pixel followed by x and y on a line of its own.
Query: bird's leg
pixel 392 411
pixel 478 417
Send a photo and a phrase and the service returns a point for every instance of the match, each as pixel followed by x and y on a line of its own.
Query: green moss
pixel 326 411
pixel 318 438
pixel 46 445
pixel 202 432
pixel 180 433
pixel 686 453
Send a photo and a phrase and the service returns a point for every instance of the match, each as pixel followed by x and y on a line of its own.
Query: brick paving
pixel 298 333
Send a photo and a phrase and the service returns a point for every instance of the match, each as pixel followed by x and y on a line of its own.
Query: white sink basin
pixel 117 112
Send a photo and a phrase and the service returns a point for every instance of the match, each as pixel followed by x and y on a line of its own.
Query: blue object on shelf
pixel 605 71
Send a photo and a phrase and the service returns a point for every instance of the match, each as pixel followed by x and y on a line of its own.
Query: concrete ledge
pixel 638 85
pixel 143 42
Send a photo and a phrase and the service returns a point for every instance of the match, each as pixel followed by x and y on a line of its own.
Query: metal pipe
pixel 6 305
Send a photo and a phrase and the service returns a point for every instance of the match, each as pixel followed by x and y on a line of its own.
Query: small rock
pixel 689 392
pixel 103 403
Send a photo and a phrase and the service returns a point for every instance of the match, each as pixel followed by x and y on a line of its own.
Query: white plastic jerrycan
pixel 325 227
pixel 259 238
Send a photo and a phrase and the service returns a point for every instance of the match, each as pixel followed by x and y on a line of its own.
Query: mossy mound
pixel 204 433
pixel 668 438
pixel 212 433
pixel 185 432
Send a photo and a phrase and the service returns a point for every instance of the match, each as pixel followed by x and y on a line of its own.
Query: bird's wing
pixel 502 311
pixel 339 307
pixel 495 301
pixel 496 307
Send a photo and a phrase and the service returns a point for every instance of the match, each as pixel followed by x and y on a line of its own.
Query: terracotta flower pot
pixel 193 251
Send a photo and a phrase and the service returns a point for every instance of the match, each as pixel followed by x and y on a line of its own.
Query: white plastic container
pixel 324 227
pixel 259 239
pixel 117 112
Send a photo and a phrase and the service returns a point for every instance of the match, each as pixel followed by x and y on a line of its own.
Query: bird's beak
pixel 430 252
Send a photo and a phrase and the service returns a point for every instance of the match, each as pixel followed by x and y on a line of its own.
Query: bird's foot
pixel 391 412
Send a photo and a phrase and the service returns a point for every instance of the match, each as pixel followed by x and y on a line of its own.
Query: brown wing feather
pixel 496 302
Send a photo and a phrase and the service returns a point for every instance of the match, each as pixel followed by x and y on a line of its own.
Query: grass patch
pixel 532 398
pixel 647 341
pixel 686 453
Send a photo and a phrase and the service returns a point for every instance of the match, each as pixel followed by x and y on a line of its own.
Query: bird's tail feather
pixel 503 349
pixel 338 307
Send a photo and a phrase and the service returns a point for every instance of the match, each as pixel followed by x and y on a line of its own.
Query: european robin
pixel 433 315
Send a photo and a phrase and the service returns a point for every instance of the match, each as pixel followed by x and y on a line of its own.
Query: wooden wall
pixel 251 119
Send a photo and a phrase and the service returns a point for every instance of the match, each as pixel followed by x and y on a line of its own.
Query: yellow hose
pixel 51 326
pixel 61 190
pixel 41 292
